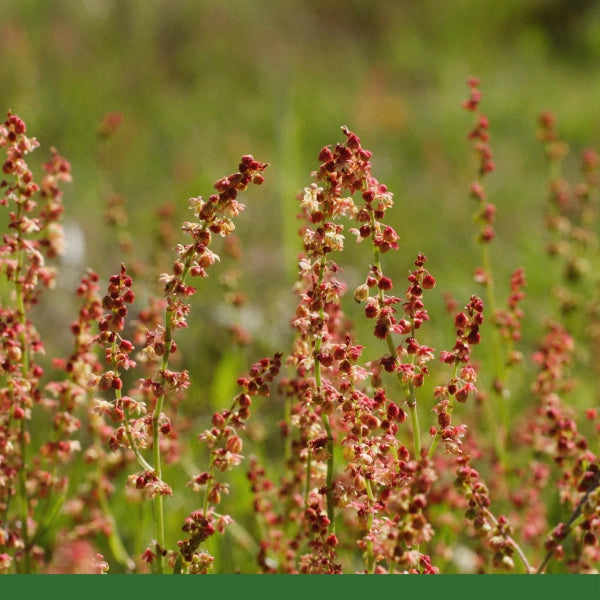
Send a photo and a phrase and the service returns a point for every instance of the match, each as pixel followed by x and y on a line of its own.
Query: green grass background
pixel 201 83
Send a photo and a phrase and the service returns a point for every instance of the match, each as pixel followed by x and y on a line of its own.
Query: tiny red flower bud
pixel 234 444
pixel 474 336
pixel 339 353
pixel 385 283
pixel 126 346
pixel 371 310
pixel 244 400
pixel 444 420
pixel 412 346
pixel 148 556
pixel 105 382
pixel 117 414
pixel 202 478
pixel 393 410
pixel 428 282
pixel 325 155
pixel 461 321
pixel 18 412
pixel 218 420
pixel 325 359
pixel 381 330
pixel 462 394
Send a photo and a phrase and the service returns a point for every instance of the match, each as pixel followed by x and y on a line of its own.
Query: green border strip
pixel 283 586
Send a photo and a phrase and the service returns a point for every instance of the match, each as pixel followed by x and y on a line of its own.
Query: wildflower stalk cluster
pixel 381 462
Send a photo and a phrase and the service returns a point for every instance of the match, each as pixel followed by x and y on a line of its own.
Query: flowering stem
pixel 159 519
pixel 330 464
pixel 575 518
pixel 499 436
pixel 528 568
pixel 407 388
pixel 23 435
pixel 449 409
pixel 325 418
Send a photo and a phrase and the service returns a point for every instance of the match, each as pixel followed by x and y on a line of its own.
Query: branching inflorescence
pixel 385 464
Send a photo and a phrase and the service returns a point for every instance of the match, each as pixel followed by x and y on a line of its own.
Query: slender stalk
pixel 408 389
pixel 576 517
pixel 369 552
pixel 514 545
pixel 23 433
pixel 159 518
pixel 330 465
pixel 325 418
pixel 114 539
pixel 158 502
pixel 450 408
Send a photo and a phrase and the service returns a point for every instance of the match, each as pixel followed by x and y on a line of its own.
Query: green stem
pixel 330 465
pixel 369 551
pixel 114 539
pixel 575 519
pixel 23 434
pixel 159 518
pixel 498 420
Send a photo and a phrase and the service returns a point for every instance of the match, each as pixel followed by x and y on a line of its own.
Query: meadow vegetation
pixel 368 345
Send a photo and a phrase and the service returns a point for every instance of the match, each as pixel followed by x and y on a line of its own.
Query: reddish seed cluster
pixel 467 324
pixel 200 526
pixel 409 360
pixel 587 517
pixel 331 397
pixel 509 321
pixel 496 532
pixel 462 382
pixel 33 236
pixel 555 433
pixel 136 429
pixel 351 478
pixel 472 103
pixel 223 440
pixel 224 443
pixel 321 558
pixel 400 524
pixel 556 149
pixel 133 427
pixel 479 136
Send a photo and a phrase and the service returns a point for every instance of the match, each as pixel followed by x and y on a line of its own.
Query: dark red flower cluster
pixel 479 134
pixel 34 235
pixel 224 444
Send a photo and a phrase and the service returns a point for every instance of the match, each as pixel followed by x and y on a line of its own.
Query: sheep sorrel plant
pixel 361 448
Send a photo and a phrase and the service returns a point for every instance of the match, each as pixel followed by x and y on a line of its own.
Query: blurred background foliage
pixel 200 83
